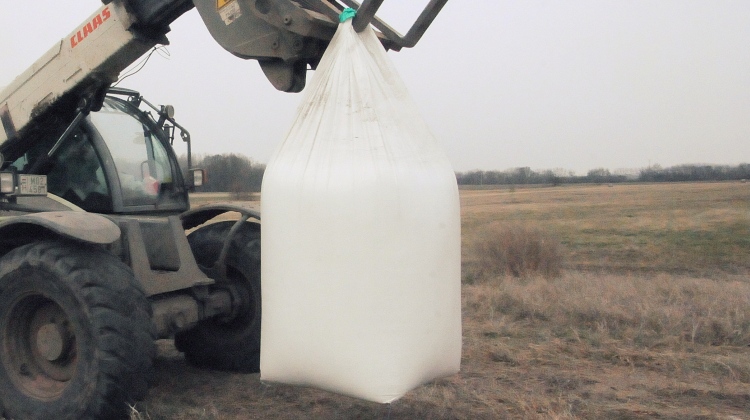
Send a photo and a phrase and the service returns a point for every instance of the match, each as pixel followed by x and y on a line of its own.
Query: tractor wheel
pixel 76 340
pixel 232 345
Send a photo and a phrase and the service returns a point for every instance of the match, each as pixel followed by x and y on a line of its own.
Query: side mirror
pixel 197 177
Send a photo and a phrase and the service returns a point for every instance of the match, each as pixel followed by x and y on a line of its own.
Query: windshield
pixel 140 158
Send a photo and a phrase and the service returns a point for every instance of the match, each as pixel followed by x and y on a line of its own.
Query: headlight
pixel 7 184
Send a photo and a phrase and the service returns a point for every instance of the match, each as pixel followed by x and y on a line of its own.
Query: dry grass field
pixel 590 302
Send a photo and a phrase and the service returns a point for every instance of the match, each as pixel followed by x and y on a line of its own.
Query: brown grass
pixel 695 228
pixel 516 250
pixel 653 312
pixel 649 317
pixel 614 345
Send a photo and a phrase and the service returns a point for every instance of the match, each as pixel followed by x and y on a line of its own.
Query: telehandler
pixel 95 263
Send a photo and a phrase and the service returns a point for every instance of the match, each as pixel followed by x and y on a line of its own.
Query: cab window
pixel 141 160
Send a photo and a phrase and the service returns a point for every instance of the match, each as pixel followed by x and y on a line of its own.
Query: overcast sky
pixel 546 84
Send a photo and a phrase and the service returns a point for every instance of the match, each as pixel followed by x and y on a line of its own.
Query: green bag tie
pixel 347 13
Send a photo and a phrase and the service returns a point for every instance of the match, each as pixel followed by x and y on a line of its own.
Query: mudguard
pixel 201 215
pixel 87 227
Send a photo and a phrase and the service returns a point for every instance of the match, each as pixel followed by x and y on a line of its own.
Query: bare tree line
pixel 240 174
pixel 655 173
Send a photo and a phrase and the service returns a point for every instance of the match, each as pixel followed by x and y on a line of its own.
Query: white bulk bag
pixel 361 236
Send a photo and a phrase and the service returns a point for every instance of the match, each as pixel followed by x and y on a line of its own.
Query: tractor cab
pixel 117 160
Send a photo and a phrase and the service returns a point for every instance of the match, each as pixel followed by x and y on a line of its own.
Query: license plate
pixel 32 184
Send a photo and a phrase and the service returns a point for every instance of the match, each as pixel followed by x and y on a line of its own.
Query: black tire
pixel 76 339
pixel 233 345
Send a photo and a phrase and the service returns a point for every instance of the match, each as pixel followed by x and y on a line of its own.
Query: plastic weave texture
pixel 361 236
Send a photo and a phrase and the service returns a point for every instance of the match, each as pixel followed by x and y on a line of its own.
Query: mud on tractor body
pixel 97 269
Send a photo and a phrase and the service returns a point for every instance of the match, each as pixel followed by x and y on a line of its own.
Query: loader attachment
pixel 288 37
pixel 366 15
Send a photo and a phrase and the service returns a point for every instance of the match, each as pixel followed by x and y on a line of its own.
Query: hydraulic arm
pixel 286 38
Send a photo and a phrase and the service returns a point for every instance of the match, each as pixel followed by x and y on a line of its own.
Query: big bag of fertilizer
pixel 361 236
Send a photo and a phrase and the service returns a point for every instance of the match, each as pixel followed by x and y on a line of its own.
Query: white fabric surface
pixel 361 236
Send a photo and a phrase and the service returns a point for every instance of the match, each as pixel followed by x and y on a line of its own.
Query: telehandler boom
pixel 94 260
